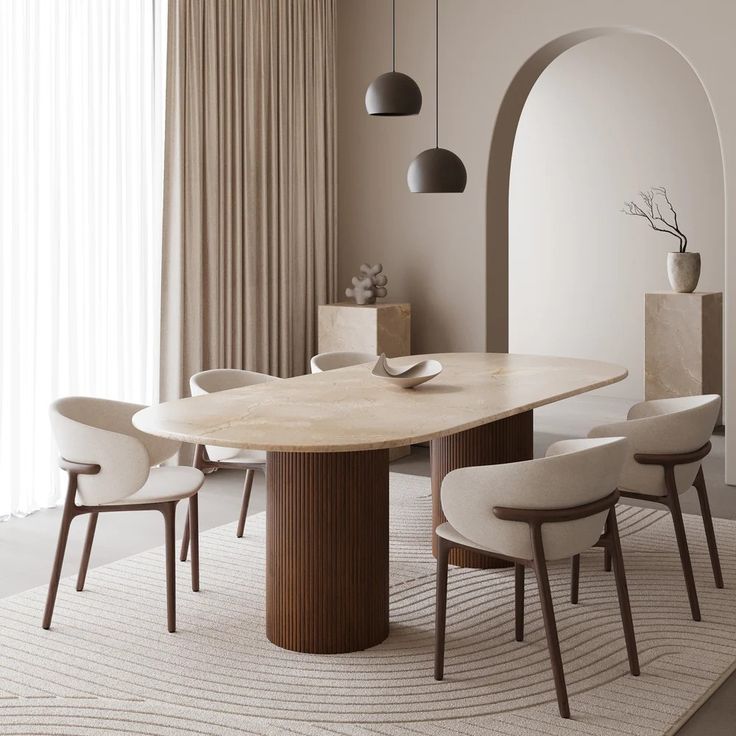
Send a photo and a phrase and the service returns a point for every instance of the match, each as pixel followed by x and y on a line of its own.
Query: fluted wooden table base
pixel 327 550
pixel 504 441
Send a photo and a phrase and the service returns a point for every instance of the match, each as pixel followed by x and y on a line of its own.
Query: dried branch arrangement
pixel 654 203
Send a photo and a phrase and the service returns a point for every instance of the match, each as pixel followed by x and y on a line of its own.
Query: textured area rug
pixel 108 666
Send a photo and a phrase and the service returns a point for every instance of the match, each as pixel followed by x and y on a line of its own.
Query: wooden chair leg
pixel 710 533
pixel 550 625
pixel 673 501
pixel 169 513
pixel 246 500
pixel 84 564
pixel 606 560
pixel 66 520
pixel 440 616
pixel 199 459
pixel 185 540
pixel 519 600
pixel 623 591
pixel 575 579
pixel 193 518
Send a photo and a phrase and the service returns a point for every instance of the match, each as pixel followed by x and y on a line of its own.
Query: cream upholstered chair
pixel 531 512
pixel 668 439
pixel 212 458
pixel 109 463
pixel 331 361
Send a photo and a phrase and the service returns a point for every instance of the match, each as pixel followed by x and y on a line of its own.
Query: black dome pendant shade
pixel 393 93
pixel 437 170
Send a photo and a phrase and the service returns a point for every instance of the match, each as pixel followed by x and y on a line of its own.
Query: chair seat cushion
pixel 649 479
pixel 447 531
pixel 247 457
pixel 236 456
pixel 165 484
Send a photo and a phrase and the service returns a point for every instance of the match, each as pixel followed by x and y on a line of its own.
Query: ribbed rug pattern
pixel 108 666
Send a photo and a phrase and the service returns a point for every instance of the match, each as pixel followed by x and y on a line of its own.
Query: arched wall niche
pixel 499 171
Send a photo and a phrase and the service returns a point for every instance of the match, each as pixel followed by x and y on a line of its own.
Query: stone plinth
pixel 683 344
pixel 369 328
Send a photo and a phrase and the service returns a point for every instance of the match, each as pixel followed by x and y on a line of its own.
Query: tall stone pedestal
pixel 683 344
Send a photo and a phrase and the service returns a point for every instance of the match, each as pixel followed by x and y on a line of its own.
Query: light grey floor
pixel 27 545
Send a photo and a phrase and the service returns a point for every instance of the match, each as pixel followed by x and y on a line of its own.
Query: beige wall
pixel 607 118
pixel 434 247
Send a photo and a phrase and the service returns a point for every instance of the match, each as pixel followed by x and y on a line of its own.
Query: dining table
pixel 327 437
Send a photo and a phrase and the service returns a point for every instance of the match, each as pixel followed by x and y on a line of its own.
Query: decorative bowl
pixel 410 376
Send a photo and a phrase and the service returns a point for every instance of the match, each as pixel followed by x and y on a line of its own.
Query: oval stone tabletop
pixel 349 409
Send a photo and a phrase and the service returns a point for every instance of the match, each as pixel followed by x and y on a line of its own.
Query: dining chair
pixel 668 439
pixel 532 512
pixel 331 361
pixel 110 465
pixel 210 458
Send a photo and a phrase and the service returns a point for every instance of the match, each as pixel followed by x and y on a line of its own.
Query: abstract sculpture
pixel 371 283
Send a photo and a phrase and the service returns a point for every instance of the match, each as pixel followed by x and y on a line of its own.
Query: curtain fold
pixel 81 103
pixel 249 246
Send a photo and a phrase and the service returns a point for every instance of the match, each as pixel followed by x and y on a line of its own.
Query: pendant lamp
pixel 436 170
pixel 393 93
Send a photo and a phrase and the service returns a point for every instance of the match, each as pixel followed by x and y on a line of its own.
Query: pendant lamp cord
pixel 436 73
pixel 394 33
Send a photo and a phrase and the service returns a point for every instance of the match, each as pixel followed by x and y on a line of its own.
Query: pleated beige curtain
pixel 249 236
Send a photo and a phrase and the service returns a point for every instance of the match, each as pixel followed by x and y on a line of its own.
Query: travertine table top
pixel 349 409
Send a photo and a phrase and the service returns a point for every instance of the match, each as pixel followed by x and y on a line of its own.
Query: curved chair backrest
pixel 331 361
pixel 573 473
pixel 101 432
pixel 663 427
pixel 224 379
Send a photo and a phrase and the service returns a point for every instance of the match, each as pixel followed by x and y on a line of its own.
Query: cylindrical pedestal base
pixel 505 441
pixel 327 550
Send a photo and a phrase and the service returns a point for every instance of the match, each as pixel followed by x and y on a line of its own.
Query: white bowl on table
pixel 407 377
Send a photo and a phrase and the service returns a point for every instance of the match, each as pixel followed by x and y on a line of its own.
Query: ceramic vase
pixel 683 271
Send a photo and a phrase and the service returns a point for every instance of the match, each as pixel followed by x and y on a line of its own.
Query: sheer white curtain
pixel 81 128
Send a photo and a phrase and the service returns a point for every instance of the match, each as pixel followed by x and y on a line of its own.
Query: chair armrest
pixel 78 468
pixel 544 516
pixel 684 458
